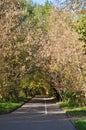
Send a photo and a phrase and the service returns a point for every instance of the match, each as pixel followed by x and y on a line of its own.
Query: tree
pixel 13 50
pixel 62 54
pixel 81 29
pixel 39 48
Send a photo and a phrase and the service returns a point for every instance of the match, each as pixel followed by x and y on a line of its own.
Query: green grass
pixel 80 111
pixel 80 124
pixel 75 111
pixel 6 107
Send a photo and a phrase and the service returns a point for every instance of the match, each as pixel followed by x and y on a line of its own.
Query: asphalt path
pixel 41 113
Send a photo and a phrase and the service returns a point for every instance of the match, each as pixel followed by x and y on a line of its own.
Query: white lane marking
pixel 46 111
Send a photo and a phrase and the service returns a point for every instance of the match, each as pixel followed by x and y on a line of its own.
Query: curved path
pixel 41 113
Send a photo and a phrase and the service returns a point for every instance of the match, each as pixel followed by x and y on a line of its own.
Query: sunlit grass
pixel 75 111
pixel 81 111
pixel 8 106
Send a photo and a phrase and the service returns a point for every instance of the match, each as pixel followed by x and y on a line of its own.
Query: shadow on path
pixel 32 116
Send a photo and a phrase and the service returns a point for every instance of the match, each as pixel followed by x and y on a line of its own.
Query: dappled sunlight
pixel 33 115
pixel 42 55
pixel 36 108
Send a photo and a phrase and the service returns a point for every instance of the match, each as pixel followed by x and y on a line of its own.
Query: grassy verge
pixel 78 112
pixel 6 107
pixel 73 110
pixel 80 124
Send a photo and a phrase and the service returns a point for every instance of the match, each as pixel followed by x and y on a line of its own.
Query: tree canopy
pixel 41 52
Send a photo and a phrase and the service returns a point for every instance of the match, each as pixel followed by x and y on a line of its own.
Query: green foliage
pixel 81 29
pixel 41 15
pixel 34 84
pixel 75 98
pixel 65 104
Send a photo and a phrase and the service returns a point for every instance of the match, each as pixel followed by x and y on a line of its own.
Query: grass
pixel 81 111
pixel 80 124
pixel 6 107
pixel 75 111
